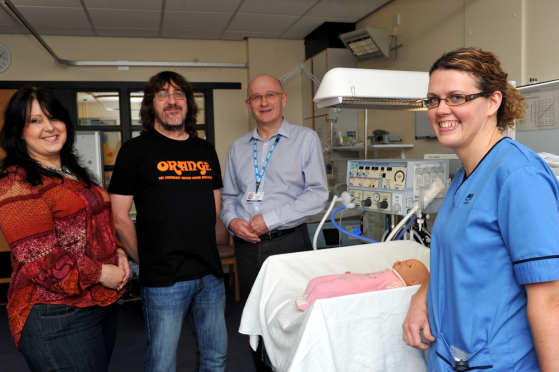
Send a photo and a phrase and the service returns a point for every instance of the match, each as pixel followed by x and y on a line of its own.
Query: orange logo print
pixel 183 166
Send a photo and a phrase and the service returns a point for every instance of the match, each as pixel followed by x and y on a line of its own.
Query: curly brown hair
pixel 153 86
pixel 490 77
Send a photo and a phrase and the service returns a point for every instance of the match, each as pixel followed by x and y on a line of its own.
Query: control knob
pixel 382 205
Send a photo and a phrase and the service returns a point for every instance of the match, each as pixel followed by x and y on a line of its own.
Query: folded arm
pixel 39 257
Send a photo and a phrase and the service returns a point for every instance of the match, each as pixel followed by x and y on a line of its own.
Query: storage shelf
pixel 377 146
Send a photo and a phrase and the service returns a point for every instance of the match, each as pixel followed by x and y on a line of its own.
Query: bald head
pixel 267 78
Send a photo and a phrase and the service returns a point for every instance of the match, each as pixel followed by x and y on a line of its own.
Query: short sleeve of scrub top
pixel 528 214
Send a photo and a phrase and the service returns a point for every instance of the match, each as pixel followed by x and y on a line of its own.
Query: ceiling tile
pixel 240 35
pixel 187 34
pixel 12 29
pixel 261 23
pixel 293 36
pixel 54 17
pixel 124 4
pixel 49 3
pixel 277 7
pixel 203 5
pixel 127 32
pixel 195 21
pixel 69 31
pixel 345 9
pixel 125 18
pixel 306 25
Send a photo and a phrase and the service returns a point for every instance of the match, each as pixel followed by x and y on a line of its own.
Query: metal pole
pixel 366 131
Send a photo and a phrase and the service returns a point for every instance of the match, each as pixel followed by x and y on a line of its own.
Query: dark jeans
pixel 68 338
pixel 250 258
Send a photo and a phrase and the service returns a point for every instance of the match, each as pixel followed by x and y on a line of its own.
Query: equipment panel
pixel 393 185
pixel 388 177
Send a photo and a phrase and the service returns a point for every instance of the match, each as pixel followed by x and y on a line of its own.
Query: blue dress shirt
pixel 294 183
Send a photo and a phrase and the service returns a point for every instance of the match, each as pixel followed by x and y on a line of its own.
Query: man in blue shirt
pixel 275 180
pixel 282 166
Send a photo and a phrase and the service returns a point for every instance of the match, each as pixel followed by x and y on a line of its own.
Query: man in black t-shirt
pixel 174 179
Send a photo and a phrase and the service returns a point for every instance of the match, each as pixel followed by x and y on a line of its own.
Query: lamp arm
pixel 298 69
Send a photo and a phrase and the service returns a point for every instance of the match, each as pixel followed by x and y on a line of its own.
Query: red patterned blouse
pixel 59 234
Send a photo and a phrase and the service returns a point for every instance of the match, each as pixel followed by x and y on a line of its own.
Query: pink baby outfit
pixel 345 284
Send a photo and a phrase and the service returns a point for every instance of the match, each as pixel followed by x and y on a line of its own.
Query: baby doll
pixel 403 273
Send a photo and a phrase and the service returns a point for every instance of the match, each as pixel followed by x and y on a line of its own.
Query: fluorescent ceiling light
pixel 367 43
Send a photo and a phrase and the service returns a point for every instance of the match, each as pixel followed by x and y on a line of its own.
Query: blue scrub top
pixel 497 230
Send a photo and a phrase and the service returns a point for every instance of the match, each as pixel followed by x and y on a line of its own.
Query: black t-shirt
pixel 173 184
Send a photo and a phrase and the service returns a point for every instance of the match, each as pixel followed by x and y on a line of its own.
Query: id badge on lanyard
pixel 255 196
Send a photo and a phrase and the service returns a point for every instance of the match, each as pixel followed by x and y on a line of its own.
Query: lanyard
pixel 261 174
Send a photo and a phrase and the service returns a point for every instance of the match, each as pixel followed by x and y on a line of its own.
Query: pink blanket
pixel 345 284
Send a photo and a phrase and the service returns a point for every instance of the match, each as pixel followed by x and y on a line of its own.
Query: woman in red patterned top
pixel 68 267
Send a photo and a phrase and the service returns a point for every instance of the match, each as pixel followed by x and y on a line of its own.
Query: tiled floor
pixel 130 344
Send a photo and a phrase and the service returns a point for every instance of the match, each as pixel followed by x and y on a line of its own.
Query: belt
pixel 278 233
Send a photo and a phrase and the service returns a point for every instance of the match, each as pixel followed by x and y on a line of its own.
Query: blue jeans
pixel 164 311
pixel 68 338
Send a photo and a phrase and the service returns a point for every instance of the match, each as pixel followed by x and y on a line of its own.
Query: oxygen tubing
pixel 345 231
pixel 406 228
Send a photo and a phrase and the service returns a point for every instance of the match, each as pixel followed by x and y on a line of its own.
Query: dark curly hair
pixel 153 86
pixel 16 118
pixel 490 77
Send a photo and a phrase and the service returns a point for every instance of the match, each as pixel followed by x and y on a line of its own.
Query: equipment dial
pixel 399 176
pixel 376 196
pixel 396 208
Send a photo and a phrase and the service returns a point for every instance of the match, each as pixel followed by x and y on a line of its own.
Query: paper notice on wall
pixel 543 107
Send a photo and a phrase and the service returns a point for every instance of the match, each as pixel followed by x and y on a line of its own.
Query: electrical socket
pixel 396 20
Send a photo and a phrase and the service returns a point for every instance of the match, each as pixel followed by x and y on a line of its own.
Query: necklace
pixel 63 171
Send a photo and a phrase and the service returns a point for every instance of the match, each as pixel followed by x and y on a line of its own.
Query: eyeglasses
pixel 268 96
pixel 452 100
pixel 164 96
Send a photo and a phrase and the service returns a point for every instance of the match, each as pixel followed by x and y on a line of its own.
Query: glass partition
pixel 98 108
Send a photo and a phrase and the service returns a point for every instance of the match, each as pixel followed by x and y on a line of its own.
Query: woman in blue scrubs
pixel 492 302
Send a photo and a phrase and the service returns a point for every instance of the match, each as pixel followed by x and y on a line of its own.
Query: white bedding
pixel 361 332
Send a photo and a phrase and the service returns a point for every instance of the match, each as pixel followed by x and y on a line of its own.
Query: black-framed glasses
pixel 267 95
pixel 164 96
pixel 452 100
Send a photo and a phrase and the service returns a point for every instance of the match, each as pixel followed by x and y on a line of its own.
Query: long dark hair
pixel 153 86
pixel 485 68
pixel 11 136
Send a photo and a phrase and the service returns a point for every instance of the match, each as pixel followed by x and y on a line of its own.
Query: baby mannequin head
pixel 412 271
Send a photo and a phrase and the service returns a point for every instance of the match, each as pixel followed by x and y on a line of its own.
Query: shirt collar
pixel 283 130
